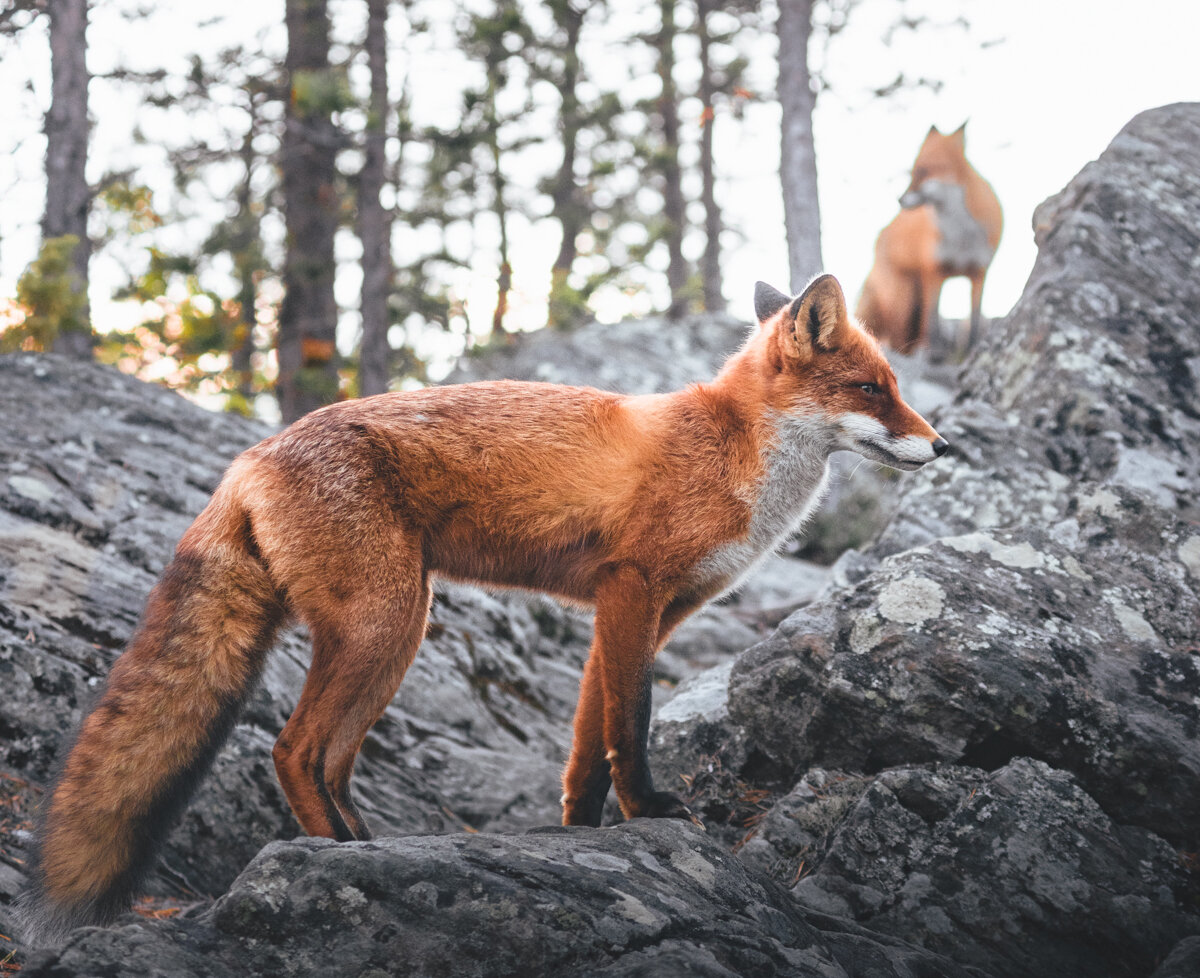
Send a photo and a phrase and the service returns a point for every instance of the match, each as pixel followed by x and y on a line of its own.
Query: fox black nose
pixel 939 446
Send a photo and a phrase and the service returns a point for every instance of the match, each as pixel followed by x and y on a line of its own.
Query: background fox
pixel 949 225
pixel 642 506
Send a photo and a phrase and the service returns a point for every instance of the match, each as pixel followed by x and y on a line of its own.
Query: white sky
pixel 1044 85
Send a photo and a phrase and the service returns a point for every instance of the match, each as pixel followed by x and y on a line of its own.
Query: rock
pixel 981 733
pixel 1095 374
pixel 1182 962
pixel 1034 594
pixel 637 356
pixel 1002 871
pixel 646 898
pixel 1073 643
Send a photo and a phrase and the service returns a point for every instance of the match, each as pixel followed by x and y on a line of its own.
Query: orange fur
pixel 644 507
pixel 923 245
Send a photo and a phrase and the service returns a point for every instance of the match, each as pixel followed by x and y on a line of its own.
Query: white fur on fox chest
pixel 795 465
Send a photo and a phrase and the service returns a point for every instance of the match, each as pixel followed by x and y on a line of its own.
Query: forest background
pixel 324 197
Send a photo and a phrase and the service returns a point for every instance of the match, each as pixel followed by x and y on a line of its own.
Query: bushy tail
pixel 170 702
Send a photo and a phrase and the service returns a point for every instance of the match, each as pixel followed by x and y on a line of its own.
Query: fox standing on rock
pixel 949 224
pixel 643 506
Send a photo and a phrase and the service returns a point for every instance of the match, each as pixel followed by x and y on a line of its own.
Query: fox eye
pixel 869 389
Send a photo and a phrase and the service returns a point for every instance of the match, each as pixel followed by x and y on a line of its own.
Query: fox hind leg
pixel 976 307
pixel 359 659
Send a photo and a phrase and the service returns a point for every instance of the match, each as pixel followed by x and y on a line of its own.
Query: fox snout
pixel 913 451
pixel 873 439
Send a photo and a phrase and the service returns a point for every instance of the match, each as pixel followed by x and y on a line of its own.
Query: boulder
pixel 645 898
pixel 1028 619
pixel 1001 870
pixel 1073 643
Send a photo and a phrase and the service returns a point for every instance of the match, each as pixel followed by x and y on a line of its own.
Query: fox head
pixel 824 368
pixel 942 158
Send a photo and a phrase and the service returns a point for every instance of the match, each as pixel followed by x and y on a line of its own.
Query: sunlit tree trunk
pixel 244 253
pixel 500 208
pixel 798 161
pixel 673 202
pixel 374 221
pixel 67 194
pixel 308 313
pixel 565 195
pixel 710 262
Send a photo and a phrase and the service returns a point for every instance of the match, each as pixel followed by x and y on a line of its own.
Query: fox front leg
pixel 613 719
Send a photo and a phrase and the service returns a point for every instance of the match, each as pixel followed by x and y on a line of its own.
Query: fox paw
pixel 663 804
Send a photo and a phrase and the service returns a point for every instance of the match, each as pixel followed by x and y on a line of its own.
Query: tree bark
pixel 567 208
pixel 247 289
pixel 673 202
pixel 374 222
pixel 67 194
pixel 308 314
pixel 504 279
pixel 245 253
pixel 710 262
pixel 798 160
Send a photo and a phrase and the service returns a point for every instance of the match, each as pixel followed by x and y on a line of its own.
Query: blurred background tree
pixel 301 219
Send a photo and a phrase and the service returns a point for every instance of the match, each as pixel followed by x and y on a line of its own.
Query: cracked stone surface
pixel 645 898
pixel 973 753
pixel 1026 627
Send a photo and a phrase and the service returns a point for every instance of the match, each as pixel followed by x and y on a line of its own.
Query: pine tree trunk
pixel 673 203
pixel 567 209
pixel 710 263
pixel 374 222
pixel 500 208
pixel 244 254
pixel 798 161
pixel 67 194
pixel 308 314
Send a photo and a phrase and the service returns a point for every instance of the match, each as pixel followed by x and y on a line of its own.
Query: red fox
pixel 949 225
pixel 641 506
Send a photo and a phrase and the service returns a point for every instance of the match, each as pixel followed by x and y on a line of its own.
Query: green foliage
pixel 568 305
pixel 49 293
pixel 321 93
pixel 130 207
pixel 189 335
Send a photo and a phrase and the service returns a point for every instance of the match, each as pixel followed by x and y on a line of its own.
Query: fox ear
pixel 818 317
pixel 960 134
pixel 768 301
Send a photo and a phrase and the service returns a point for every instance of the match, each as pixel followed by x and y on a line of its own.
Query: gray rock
pixel 1001 871
pixel 1034 594
pixel 1072 643
pixel 646 898
pixel 1182 962
pixel 637 356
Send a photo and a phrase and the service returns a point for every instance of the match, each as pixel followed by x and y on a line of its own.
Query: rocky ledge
pixel 974 754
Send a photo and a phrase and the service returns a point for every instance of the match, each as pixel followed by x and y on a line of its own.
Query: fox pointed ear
pixel 819 317
pixel 960 134
pixel 768 301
